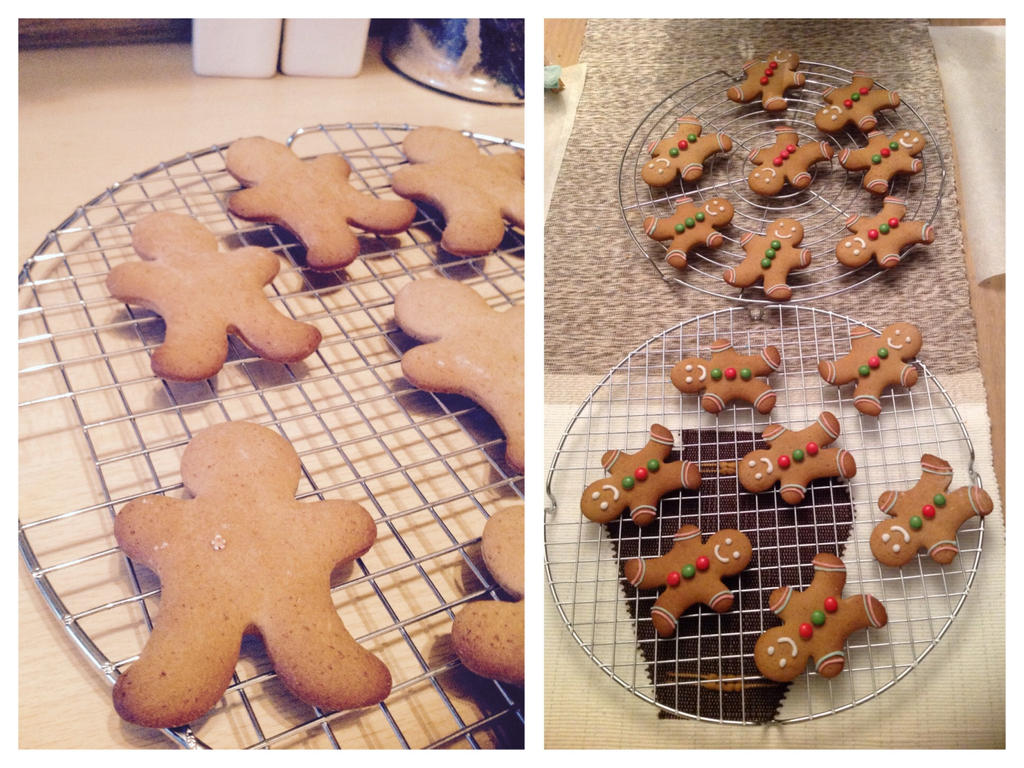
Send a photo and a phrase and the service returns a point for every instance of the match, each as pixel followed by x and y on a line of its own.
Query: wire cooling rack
pixel 707 670
pixel 822 208
pixel 429 468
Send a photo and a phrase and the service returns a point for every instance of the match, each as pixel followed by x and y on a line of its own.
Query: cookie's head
pixel 786 231
pixel 911 141
pixel 903 338
pixel 719 211
pixel 602 501
pixel 730 551
pixel 238 456
pixel 165 235
pixel 787 58
pixel 252 159
pixel 780 654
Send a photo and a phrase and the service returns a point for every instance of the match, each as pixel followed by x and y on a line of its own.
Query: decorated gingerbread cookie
pixel 204 294
pixel 884 157
pixel 476 192
pixel 770 258
pixel 243 556
pixel 691 573
pixel 488 635
pixel 816 624
pixel 794 459
pixel 769 79
pixel 875 361
pixel 689 227
pixel 855 103
pixel 786 161
pixel 927 516
pixel 727 375
pixel 470 350
pixel 312 199
pixel 882 237
pixel 636 481
pixel 683 154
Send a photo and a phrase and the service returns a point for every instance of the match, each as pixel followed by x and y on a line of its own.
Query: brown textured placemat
pixel 706 668
pixel 602 298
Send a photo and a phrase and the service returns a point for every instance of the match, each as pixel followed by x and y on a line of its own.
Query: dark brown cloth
pixel 706 668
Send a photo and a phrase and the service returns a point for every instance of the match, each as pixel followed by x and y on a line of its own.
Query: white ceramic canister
pixel 236 47
pixel 324 47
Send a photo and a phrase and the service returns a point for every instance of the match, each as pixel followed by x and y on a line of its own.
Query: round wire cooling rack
pixel 706 670
pixel 822 208
pixel 430 468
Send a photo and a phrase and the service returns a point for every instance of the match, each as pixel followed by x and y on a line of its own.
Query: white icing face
pixel 783 233
pixel 715 207
pixel 782 661
pixel 859 241
pixel 659 164
pixel 908 140
pixel 718 555
pixel 893 344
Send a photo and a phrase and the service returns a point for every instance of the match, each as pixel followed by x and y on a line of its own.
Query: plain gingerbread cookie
pixel 477 193
pixel 488 635
pixel 203 295
pixel 470 349
pixel 816 623
pixel 926 516
pixel 243 556
pixel 312 199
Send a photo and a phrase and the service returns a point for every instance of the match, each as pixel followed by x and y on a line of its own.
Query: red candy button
pixel 864 90
pixel 928 511
pixel 812 449
pixel 683 144
pixel 894 223
pixel 777 161
pixel 703 563
pixel 874 362
pixel 784 461
pixel 673 578
pixel 831 604
pixel 640 473
pixel 806 630
pixel 764 81
pixel 730 373
pixel 872 234
pixel 791 148
pixel 885 152
pixel 847 103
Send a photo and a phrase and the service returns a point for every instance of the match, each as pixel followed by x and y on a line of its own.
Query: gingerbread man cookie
pixel 884 157
pixel 312 199
pixel 727 375
pixel 882 236
pixel 689 227
pixel 816 623
pixel 637 480
pixel 203 295
pixel 470 350
pixel 875 361
pixel 786 161
pixel 926 517
pixel 855 103
pixel 475 192
pixel 769 78
pixel 683 154
pixel 691 573
pixel 770 258
pixel 243 556
pixel 488 635
pixel 794 459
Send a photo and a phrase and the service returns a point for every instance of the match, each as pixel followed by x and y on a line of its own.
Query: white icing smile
pixel 779 230
pixel 701 377
pixel 906 144
pixel 770 650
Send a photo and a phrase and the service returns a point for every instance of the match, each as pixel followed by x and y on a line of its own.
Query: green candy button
pixel 939 500
pixel 680 228
pixel 864 370
pixel 775 244
pixel 653 465
pixel 916 522
pixel 716 373
pixel 689 571
pixel 628 482
pixel 690 223
pixel 883 352
pixel 818 618
pixel 798 455
pixel 674 152
pixel 699 216
pixel 746 373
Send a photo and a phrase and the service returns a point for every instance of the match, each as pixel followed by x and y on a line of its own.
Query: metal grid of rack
pixel 428 467
pixel 583 558
pixel 822 208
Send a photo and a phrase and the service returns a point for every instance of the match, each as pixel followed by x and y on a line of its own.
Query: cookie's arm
pixel 139 282
pixel 258 203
